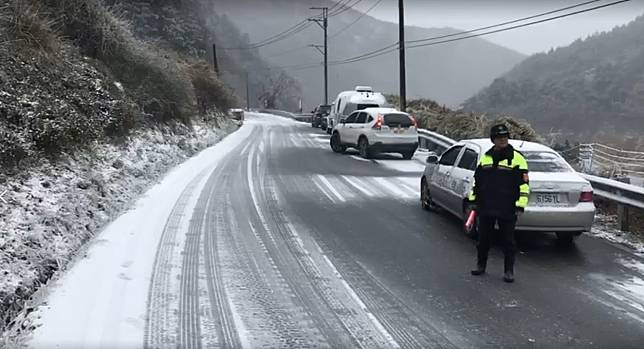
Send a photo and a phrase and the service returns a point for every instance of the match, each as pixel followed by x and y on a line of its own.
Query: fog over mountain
pixel 448 73
pixel 594 87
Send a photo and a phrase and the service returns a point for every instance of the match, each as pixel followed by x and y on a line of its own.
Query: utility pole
pixel 247 93
pixel 214 58
pixel 324 26
pixel 401 45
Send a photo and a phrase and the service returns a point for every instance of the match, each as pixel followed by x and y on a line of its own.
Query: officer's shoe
pixel 508 276
pixel 480 270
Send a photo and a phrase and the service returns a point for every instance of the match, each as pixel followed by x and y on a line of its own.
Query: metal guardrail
pixel 612 190
pixel 623 193
pixel 433 141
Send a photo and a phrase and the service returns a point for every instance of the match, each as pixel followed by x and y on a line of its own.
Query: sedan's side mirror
pixel 343 121
pixel 432 159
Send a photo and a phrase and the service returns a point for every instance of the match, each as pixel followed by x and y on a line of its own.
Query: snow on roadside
pixel 123 254
pixel 52 210
pixel 605 227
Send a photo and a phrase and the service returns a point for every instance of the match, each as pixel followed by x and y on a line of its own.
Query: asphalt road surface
pixel 290 245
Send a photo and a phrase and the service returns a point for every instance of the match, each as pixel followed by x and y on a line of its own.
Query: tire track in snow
pixel 160 329
pixel 227 335
pixel 189 323
pixel 162 324
pixel 325 330
pixel 323 284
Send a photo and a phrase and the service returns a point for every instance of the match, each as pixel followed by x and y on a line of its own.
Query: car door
pixel 346 129
pixel 461 179
pixel 441 176
pixel 360 125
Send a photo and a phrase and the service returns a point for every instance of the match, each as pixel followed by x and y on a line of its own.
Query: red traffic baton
pixel 471 218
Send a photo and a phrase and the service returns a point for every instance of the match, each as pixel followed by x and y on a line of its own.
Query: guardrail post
pixel 623 216
pixel 586 158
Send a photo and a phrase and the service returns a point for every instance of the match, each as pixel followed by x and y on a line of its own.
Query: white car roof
pixel 376 111
pixel 485 143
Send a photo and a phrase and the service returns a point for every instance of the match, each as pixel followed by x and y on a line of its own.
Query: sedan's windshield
pixel 542 161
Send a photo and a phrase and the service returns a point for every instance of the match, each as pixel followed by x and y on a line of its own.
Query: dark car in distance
pixel 319 116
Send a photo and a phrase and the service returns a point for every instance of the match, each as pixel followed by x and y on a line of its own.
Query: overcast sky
pixel 469 14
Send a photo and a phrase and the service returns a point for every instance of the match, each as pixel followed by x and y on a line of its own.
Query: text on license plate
pixel 548 199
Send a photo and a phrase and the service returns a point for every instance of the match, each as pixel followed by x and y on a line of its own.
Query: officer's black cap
pixel 499 131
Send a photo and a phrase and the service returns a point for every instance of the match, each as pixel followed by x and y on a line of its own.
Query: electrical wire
pixel 345 8
pixel 521 25
pixel 295 29
pixel 356 20
pixel 503 23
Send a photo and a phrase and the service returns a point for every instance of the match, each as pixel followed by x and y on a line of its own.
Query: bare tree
pixel 278 92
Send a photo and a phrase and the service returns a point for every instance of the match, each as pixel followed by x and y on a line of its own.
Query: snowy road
pixel 270 240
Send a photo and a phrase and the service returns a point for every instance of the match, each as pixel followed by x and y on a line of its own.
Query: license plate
pixel 549 199
pixel 399 130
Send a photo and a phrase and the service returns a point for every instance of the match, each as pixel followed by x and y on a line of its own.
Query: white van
pixel 349 101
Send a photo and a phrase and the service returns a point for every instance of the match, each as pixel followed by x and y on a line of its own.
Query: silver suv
pixel 376 130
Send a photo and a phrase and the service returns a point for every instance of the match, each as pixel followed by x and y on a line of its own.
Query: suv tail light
pixel 586 196
pixel 379 122
pixel 413 120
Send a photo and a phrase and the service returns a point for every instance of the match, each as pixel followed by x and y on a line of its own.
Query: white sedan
pixel 561 201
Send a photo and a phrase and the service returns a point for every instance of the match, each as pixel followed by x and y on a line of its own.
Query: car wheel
pixel 565 238
pixel 407 155
pixel 336 146
pixel 472 232
pixel 425 196
pixel 363 148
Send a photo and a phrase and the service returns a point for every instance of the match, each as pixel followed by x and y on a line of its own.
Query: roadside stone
pixel 118 164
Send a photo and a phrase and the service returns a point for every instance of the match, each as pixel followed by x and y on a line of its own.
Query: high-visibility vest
pixel 518 165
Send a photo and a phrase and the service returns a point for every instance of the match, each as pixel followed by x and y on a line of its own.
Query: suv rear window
pixel 543 161
pixel 365 106
pixel 398 120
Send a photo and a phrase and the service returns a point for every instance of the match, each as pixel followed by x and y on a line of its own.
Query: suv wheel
pixel 336 146
pixel 363 148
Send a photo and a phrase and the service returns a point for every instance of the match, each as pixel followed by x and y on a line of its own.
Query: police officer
pixel 500 194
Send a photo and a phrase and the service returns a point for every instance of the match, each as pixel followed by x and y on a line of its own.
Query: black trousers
pixel 486 232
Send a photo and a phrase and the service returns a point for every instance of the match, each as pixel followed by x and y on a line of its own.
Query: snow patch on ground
pixel 54 209
pixel 606 227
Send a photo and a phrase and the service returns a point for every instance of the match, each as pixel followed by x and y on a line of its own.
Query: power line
pixel 503 23
pixel 521 25
pixel 356 20
pixel 338 3
pixel 393 48
pixel 387 49
pixel 297 28
pixel 345 8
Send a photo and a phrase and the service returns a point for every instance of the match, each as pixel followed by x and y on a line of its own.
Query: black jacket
pixel 501 183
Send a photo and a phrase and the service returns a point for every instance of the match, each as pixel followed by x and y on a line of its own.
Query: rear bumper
pixel 558 219
pixel 394 147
